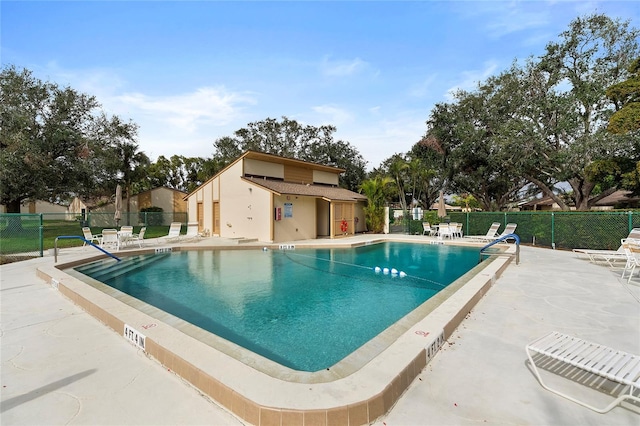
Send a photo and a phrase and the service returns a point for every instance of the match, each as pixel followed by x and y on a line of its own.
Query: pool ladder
pixel 502 238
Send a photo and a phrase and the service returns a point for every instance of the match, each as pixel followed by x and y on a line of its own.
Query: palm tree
pixel 133 165
pixel 375 191
pixel 397 170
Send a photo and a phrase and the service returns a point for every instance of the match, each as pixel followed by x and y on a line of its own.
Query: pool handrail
pixel 78 237
pixel 503 238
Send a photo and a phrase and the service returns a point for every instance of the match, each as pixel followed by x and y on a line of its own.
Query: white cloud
pixel 333 115
pixel 423 88
pixel 501 18
pixel 516 20
pixel 184 123
pixel 470 79
pixel 347 68
pixel 187 111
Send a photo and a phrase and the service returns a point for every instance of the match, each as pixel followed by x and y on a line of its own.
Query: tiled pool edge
pixel 258 399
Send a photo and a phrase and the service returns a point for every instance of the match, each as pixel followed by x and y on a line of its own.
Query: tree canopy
pixel 55 141
pixel 288 138
pixel 543 122
pixel 626 98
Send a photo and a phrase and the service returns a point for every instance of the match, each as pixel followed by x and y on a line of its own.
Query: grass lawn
pixel 25 238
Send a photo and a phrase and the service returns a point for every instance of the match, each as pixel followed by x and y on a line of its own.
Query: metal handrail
pixel 503 238
pixel 78 237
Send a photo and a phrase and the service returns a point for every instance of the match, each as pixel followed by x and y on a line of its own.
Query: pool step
pixel 112 270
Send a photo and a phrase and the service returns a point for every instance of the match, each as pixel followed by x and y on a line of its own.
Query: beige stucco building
pixel 172 202
pixel 275 199
pixel 38 206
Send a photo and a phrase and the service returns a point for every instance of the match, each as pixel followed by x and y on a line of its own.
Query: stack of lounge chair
pixel 611 256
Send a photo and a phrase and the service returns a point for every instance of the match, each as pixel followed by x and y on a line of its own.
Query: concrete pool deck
pixel 60 365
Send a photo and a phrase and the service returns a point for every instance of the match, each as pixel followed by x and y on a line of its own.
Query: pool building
pixel 264 197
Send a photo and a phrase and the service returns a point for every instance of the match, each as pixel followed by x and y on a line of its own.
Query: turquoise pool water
pixel 306 309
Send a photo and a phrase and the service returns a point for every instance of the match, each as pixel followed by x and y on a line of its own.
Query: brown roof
pixel 616 198
pixel 544 201
pixel 330 193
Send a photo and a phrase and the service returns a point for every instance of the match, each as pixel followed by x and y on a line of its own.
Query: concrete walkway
pixel 61 366
pixel 482 375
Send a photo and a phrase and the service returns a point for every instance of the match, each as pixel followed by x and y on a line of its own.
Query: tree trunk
pixel 548 192
pixel 13 206
pixel 581 192
pixel 14 223
pixel 603 194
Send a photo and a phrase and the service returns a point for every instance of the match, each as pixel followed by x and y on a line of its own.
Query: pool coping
pixel 359 397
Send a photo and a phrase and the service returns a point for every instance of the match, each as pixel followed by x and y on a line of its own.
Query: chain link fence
pixel 20 237
pixel 561 230
pixel 25 236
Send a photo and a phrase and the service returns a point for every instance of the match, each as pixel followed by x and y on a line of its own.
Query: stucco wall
pixel 245 209
pixel 206 194
pixel 40 206
pixel 165 198
pixel 302 223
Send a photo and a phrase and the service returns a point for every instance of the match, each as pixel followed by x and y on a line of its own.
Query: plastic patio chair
pixel 137 238
pixel 125 234
pixel 427 229
pixel 110 239
pixel 88 236
pixel 445 231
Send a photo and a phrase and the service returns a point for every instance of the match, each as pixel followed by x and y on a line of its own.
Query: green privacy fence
pixel 561 230
pixel 25 236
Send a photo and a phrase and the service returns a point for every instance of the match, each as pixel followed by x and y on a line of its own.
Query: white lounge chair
pixel 631 249
pixel 609 256
pixel 192 232
pixel 491 233
pixel 564 351
pixel 510 228
pixel 174 232
pixel 88 236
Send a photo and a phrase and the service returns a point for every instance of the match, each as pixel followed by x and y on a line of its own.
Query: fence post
pixel 41 236
pixel 630 220
pixel 466 226
pixel 553 230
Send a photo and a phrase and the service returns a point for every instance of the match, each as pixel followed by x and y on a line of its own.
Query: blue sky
pixel 190 72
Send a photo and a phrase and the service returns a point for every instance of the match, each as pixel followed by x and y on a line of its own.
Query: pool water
pixel 306 309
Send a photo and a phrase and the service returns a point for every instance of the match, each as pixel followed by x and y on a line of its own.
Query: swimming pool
pixel 357 390
pixel 306 309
